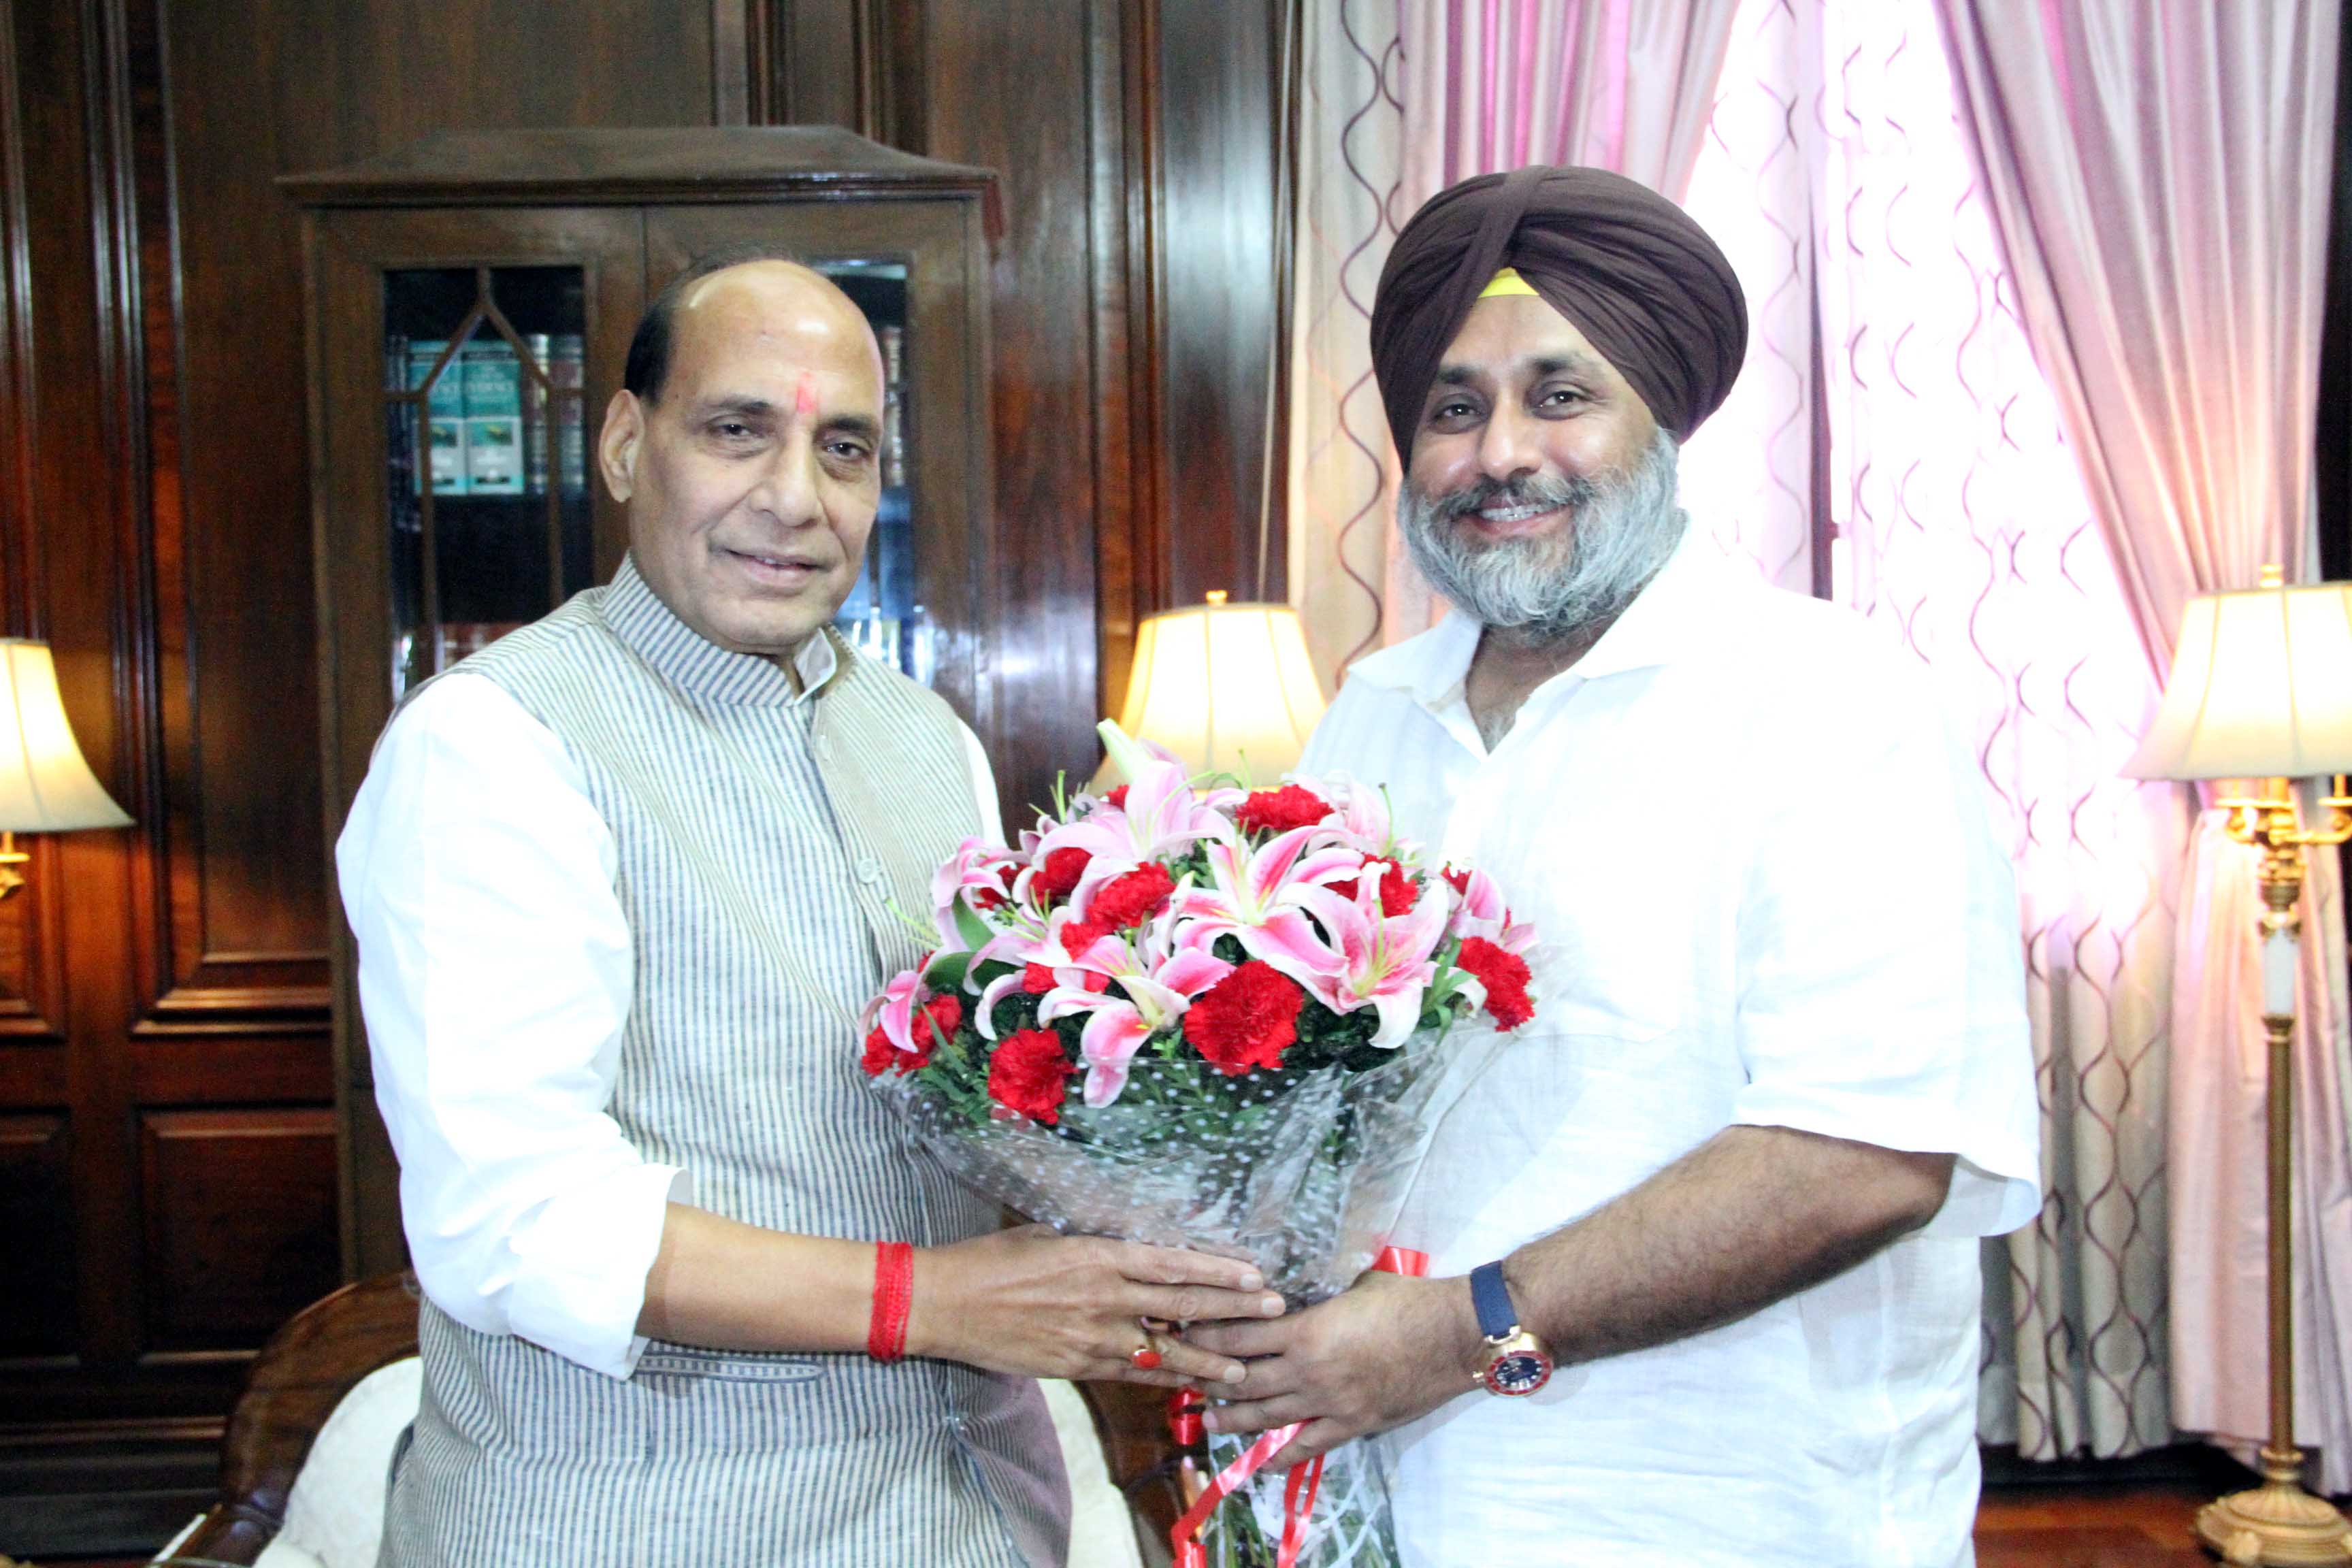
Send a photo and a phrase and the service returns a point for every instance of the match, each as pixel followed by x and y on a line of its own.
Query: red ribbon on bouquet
pixel 1305 1480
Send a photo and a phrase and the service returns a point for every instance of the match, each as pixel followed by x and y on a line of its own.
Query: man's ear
pixel 617 444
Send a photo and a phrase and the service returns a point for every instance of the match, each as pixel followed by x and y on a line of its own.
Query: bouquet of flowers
pixel 1208 1017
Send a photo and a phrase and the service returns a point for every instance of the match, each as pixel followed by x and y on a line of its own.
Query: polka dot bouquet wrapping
pixel 1207 1016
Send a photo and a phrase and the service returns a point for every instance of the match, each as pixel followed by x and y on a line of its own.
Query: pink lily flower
pixel 1153 983
pixel 1361 816
pixel 1479 910
pixel 894 1010
pixel 975 869
pixel 1030 942
pixel 1369 959
pixel 1263 889
pixel 1162 816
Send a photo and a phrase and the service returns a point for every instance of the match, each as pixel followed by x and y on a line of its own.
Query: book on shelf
pixel 535 433
pixel 444 414
pixel 493 396
pixel 568 370
pixel 561 357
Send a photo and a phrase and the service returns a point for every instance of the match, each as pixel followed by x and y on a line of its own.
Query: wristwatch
pixel 1517 1362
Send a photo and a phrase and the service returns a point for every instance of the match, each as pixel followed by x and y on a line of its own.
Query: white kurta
pixel 479 881
pixel 1766 892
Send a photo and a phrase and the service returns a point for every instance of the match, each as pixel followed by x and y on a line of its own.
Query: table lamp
pixel 2261 691
pixel 45 785
pixel 1227 688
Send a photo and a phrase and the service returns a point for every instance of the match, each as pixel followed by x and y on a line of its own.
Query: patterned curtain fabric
pixel 1403 98
pixel 2158 171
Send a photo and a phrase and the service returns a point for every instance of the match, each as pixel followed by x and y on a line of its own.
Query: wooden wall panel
pixel 1029 116
pixel 238 830
pixel 253 1186
pixel 1219 274
pixel 344 79
pixel 36 1310
pixel 70 542
pixel 1135 305
pixel 855 63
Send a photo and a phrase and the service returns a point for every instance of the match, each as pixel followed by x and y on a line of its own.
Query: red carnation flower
pixel 1127 901
pixel 1117 797
pixel 881 1055
pixel 1458 881
pixel 1080 935
pixel 1504 975
pixel 1247 1020
pixel 1280 810
pixel 943 1010
pixel 1030 1074
pixel 1396 888
pixel 985 899
pixel 1058 876
pixel 1036 979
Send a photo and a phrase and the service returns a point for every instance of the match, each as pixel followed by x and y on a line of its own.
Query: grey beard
pixel 1620 531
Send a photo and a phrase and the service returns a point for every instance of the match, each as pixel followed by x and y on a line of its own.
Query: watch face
pixel 1518 1372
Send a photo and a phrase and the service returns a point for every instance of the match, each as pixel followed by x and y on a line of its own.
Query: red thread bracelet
pixel 894 1300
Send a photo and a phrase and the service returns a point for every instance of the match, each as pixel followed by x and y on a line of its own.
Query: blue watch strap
pixel 1497 1318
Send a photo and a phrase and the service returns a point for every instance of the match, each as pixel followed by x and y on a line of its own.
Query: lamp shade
pixel 45 785
pixel 1227 688
pixel 2260 688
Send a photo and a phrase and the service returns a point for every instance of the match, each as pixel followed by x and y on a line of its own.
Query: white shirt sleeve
pixel 495 973
pixel 1881 984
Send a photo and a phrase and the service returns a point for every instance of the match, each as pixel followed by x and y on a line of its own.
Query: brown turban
pixel 1644 283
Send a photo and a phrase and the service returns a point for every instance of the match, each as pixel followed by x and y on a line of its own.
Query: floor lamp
pixel 2261 690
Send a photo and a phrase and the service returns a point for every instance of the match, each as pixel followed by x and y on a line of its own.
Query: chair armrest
pixel 302 1373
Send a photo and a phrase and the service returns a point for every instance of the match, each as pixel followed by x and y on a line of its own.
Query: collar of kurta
pixel 696 664
pixel 1666 620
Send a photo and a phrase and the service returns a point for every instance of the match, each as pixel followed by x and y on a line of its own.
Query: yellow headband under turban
pixel 1508 282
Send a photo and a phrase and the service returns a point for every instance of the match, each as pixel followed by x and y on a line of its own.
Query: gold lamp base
pixel 2276 1524
pixel 11 858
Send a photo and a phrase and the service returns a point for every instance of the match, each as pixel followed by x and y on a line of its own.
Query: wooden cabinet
pixel 470 304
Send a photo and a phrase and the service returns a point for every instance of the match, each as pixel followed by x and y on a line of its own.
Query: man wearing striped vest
pixel 620 885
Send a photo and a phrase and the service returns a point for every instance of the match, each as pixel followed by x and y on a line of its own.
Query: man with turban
pixel 1705 1240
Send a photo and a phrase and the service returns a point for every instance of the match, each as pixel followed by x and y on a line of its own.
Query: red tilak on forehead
pixel 804 400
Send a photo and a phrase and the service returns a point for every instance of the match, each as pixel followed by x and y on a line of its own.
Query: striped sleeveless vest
pixel 767 843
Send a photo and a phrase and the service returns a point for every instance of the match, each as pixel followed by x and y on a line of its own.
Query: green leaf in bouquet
pixel 1015 1011
pixel 946 971
pixel 974 931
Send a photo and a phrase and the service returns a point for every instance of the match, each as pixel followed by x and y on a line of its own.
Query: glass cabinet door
pixel 486 457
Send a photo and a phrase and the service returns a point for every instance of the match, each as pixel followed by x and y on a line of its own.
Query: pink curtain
pixel 2158 172
pixel 1404 98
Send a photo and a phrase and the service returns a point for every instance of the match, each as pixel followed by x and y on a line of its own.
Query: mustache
pixel 1572 490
